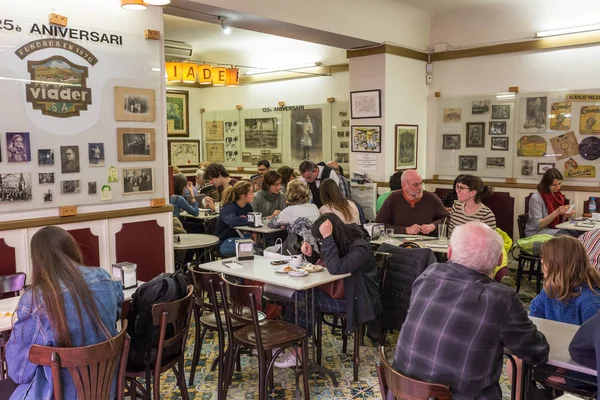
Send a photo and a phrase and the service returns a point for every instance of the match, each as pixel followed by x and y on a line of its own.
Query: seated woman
pixel 235 206
pixel 547 207
pixel 179 202
pixel 298 216
pixel 287 175
pixel 333 202
pixel 67 305
pixel 269 201
pixel 469 191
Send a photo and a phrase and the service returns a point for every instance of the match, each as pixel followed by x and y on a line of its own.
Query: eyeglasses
pixel 460 187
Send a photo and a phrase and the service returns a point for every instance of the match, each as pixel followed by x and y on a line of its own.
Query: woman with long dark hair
pixel 67 305
pixel 178 200
pixel 470 190
pixel 547 206
pixel 236 203
pixel 333 202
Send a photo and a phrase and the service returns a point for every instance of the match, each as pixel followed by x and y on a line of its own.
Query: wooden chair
pixel 534 262
pixel 502 205
pixel 10 286
pixel 392 382
pixel 264 336
pixel 92 368
pixel 177 315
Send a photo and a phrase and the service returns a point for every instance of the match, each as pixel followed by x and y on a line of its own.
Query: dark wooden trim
pixel 32 223
pixel 556 42
pixel 531 186
pixel 388 49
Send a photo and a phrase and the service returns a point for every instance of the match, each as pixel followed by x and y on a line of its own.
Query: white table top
pixel 262 229
pixel 437 246
pixel 572 225
pixel 559 336
pixel 194 241
pixel 10 305
pixel 260 269
pixel 199 216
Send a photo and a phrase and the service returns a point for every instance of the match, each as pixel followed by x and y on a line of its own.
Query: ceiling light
pixel 506 96
pixel 155 69
pixel 226 28
pixel 133 5
pixel 158 2
pixel 282 69
pixel 567 31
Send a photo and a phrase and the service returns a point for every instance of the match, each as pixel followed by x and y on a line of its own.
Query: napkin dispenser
pixel 126 272
pixel 255 219
pixel 244 249
pixel 374 230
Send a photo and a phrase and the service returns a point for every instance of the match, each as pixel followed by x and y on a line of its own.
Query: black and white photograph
pixel 18 147
pixel 231 127
pixel 246 157
pixel 344 145
pixel 543 167
pixel 260 133
pixel 255 159
pixel 340 134
pixel 342 113
pixel 46 178
pixel 96 154
pixel 345 123
pixel 450 142
pixel 467 163
pixel 231 142
pixel 365 104
pixel 134 104
pixel 137 180
pixel 481 107
pixel 495 162
pixel 342 157
pixel 45 157
pixel 70 187
pixel 265 154
pixel 347 133
pixel 497 127
pixel 275 158
pixel 135 144
pixel 452 115
pixel 535 114
pixel 231 156
pixel 500 143
pixel 306 135
pixel 475 134
pixel 15 187
pixel 48 196
pixel 501 111
pixel 69 159
pixel 527 167
pixel 92 187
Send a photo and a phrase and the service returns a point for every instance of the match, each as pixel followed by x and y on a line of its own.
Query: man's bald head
pixel 412 184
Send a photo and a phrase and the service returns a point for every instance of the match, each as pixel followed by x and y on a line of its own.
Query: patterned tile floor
pixel 245 385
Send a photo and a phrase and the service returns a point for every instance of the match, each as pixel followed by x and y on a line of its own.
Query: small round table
pixel 189 241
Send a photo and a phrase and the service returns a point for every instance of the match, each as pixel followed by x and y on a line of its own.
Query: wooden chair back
pixel 201 281
pixel 92 368
pixel 441 192
pixel 503 207
pixel 11 285
pixel 392 382
pixel 236 299
pixel 527 203
pixel 383 261
pixel 521 222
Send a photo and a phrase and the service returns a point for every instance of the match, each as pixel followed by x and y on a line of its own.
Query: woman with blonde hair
pixel 67 305
pixel 236 203
pixel 333 202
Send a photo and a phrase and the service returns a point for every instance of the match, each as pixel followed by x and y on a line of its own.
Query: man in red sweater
pixel 412 210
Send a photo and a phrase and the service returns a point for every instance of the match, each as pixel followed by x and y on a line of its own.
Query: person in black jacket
pixel 585 346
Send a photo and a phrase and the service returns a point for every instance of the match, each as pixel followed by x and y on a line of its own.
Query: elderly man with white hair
pixel 412 210
pixel 460 320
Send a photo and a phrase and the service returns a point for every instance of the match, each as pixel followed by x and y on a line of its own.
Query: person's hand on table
pixel 306 249
pixel 275 213
pixel 427 228
pixel 326 229
pixel 413 229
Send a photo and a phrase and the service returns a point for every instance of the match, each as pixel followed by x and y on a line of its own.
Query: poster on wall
pixel 178 123
pixel 560 116
pixel 306 135
pixel 15 187
pixel 589 120
pixel 215 152
pixel 405 149
pixel 184 153
pixel 260 133
pixel 531 146
pixel 564 145
pixel 534 114
pixel 214 131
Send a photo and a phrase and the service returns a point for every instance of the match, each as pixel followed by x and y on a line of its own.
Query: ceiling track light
pixel 568 31
pixel 226 28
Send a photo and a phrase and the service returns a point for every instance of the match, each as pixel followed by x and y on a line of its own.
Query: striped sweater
pixel 460 217
pixel 591 242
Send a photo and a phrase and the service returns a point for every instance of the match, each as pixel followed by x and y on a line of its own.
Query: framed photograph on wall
pixel 450 142
pixel 178 121
pixel 467 163
pixel 134 104
pixel 365 104
pixel 499 143
pixel 366 138
pixel 184 153
pixel 475 134
pixel 136 144
pixel 497 127
pixel 405 149
pixel 137 180
pixel 543 167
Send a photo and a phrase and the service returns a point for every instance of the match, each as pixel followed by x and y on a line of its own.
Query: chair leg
pixel 262 376
pixel 319 337
pixel 305 368
pixel 519 273
pixel 333 324
pixel 231 353
pixel 200 333
pixel 344 343
pixel 538 283
pixel 268 358
pixel 180 379
pixel 238 362
pixel 357 331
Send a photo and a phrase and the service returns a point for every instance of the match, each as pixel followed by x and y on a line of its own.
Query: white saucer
pixel 298 273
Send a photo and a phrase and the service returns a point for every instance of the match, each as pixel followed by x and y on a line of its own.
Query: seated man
pixel 344 183
pixel 217 175
pixel 460 320
pixel 412 210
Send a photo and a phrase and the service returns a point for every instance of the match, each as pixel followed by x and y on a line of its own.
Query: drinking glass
pixel 442 231
pixel 389 232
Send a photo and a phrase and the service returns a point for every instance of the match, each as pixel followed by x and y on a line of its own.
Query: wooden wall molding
pixel 32 223
pixel 388 49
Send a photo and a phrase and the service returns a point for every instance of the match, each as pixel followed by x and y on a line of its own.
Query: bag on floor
pixel 164 288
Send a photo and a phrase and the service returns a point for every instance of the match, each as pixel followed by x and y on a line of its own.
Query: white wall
pixel 378 21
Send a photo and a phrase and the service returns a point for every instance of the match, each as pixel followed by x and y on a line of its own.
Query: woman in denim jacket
pixel 68 305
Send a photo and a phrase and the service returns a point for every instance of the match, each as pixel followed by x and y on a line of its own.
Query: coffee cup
pixel 296 260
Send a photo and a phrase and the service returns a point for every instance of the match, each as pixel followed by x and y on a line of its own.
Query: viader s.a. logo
pixel 58 87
